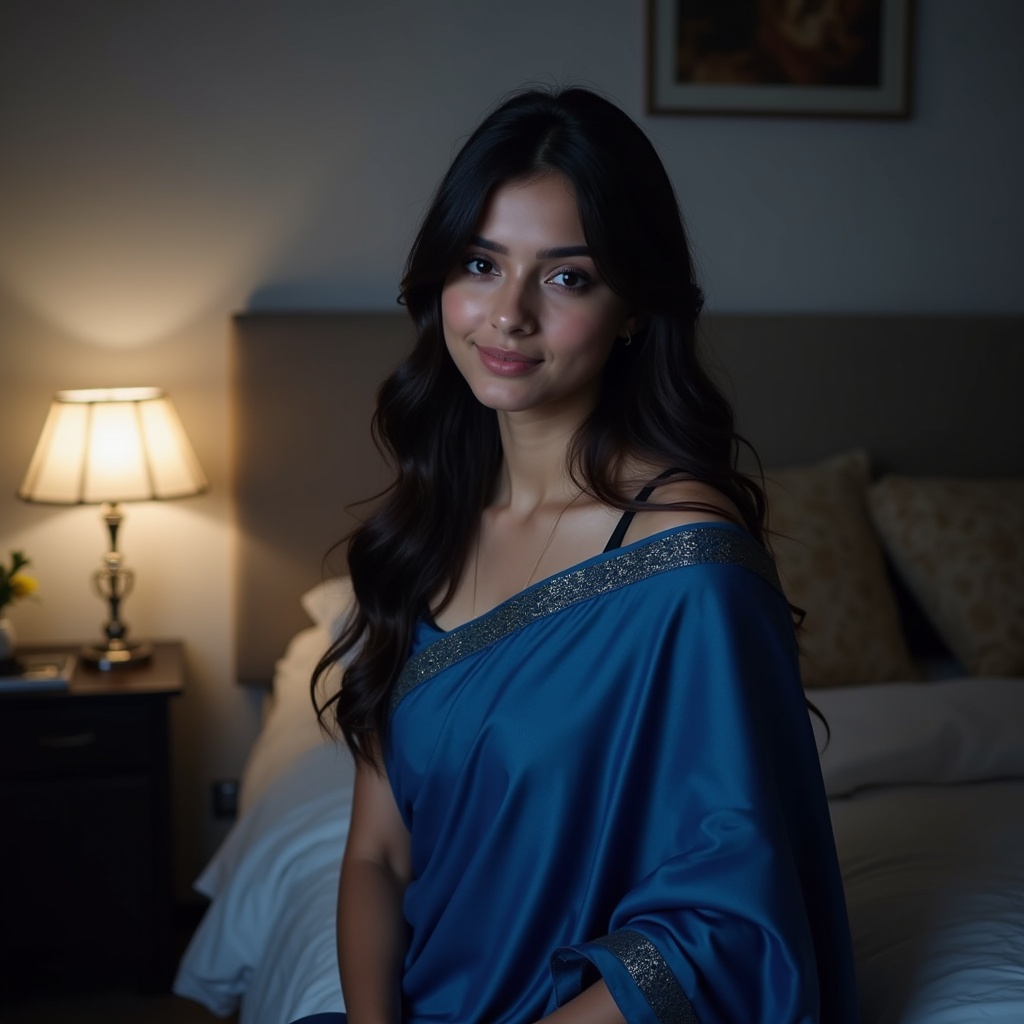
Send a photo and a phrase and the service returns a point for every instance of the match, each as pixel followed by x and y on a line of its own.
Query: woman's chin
pixel 523 402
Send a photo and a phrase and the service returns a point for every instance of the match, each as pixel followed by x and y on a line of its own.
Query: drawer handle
pixel 78 739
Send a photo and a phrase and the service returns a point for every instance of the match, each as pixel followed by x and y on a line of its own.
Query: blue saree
pixel 612 774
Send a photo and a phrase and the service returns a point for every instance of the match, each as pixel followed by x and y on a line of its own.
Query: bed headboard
pixel 925 395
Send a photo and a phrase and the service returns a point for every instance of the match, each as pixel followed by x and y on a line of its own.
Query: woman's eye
pixel 572 280
pixel 478 265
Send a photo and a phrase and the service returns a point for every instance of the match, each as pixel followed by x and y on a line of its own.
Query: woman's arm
pixel 374 873
pixel 593 1005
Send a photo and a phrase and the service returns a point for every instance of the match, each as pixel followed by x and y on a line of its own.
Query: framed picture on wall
pixel 827 58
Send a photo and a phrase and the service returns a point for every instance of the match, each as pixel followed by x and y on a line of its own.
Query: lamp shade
pixel 112 445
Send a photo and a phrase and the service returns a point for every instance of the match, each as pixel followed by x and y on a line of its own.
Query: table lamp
pixel 108 446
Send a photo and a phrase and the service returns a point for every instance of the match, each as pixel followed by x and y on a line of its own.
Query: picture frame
pixel 779 58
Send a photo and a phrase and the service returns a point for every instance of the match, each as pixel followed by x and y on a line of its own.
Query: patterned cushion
pixel 959 545
pixel 832 566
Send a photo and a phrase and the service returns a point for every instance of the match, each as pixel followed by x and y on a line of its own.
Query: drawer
pixel 77 734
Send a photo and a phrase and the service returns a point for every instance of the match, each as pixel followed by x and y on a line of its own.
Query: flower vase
pixel 8 640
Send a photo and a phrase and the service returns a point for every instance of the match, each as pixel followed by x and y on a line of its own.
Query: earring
pixel 629 338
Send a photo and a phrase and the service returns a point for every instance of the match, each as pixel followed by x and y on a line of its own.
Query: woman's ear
pixel 630 326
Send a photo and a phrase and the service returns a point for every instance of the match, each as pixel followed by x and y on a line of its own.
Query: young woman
pixel 587 787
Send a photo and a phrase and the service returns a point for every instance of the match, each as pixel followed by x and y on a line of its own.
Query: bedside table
pixel 86 891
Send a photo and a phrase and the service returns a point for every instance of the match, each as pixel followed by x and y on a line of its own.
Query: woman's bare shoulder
pixel 706 504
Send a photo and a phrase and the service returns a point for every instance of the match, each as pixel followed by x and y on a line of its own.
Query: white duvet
pixel 926 788
pixel 934 879
pixel 268 935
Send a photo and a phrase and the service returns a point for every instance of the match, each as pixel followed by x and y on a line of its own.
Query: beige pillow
pixel 959 545
pixel 831 565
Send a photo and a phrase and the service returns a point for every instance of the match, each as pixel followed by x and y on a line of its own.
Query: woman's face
pixel 527 319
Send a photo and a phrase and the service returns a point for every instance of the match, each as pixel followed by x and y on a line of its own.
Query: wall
pixel 167 163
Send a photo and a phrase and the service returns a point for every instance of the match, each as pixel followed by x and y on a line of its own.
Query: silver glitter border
pixel 689 546
pixel 651 974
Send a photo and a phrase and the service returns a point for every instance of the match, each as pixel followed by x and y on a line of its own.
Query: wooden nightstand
pixel 85 815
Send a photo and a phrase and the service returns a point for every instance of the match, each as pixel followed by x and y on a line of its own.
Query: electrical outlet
pixel 225 798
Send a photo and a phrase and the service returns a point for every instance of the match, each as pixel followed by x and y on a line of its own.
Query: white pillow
pixel 329 602
pixel 290 726
pixel 953 731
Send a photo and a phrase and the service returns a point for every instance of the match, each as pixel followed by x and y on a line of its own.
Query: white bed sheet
pixel 267 941
pixel 926 793
pixel 934 879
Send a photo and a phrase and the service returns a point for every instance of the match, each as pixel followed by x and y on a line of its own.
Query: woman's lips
pixel 506 363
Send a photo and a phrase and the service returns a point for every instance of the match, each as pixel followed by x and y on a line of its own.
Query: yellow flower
pixel 23 586
pixel 13 582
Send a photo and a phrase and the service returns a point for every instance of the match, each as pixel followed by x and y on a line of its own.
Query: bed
pixel 895 456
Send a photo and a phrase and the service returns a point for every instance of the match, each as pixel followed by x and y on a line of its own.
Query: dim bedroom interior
pixel 899 527
pixel 216 200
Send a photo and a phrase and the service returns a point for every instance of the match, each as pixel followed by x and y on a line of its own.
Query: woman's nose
pixel 512 312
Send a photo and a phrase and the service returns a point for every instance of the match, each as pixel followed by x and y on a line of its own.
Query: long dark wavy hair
pixel 657 405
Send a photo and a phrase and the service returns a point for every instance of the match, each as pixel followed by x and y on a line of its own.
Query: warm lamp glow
pixel 112 445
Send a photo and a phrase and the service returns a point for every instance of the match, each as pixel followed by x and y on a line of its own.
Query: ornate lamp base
pixel 114 583
pixel 117 654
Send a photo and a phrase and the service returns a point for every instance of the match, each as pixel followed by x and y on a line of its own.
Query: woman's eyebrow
pixel 486 243
pixel 558 253
pixel 562 252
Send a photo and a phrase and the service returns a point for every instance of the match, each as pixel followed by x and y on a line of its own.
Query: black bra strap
pixel 615 540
